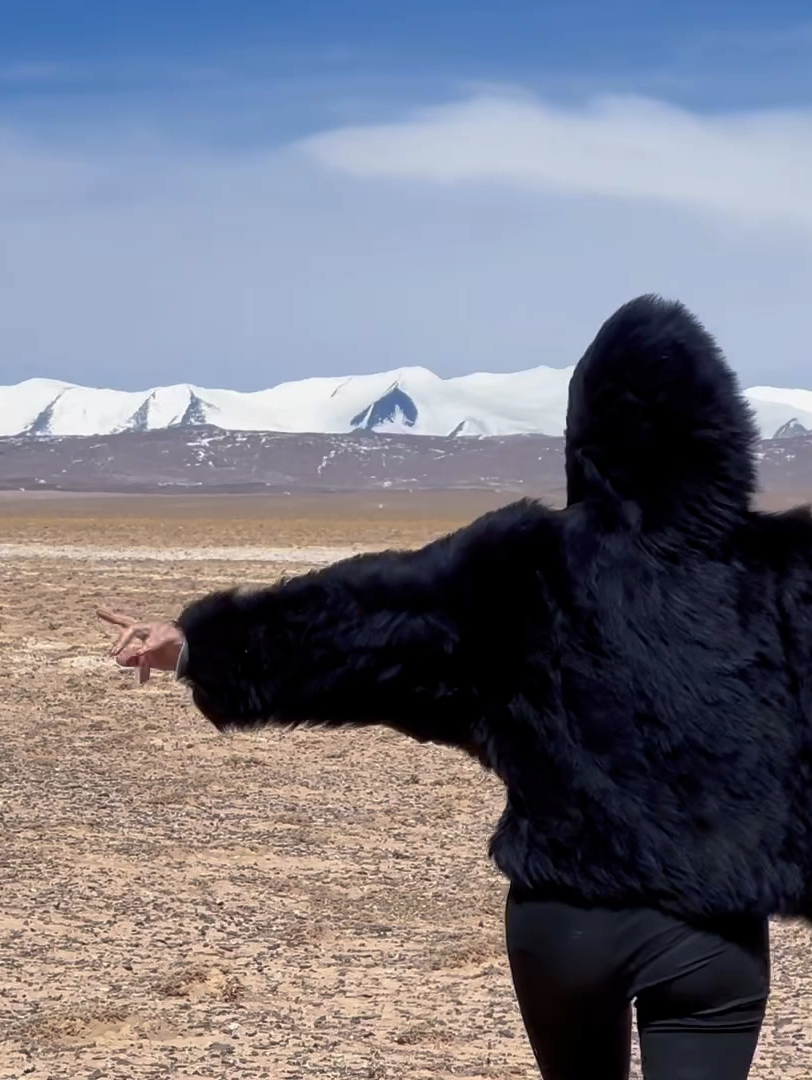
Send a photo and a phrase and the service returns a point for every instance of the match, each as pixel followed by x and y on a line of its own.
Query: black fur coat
pixel 636 668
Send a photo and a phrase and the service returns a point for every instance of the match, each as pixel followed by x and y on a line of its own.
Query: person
pixel 636 669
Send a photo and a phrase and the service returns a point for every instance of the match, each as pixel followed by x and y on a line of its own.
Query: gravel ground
pixel 181 904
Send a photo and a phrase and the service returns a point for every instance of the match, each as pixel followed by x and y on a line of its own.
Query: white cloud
pixel 131 260
pixel 756 167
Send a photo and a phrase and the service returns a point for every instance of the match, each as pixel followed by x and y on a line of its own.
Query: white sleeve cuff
pixel 183 661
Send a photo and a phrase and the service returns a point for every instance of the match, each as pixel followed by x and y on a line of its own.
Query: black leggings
pixel 700 995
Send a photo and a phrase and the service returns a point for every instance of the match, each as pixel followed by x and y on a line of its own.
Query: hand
pixel 143 645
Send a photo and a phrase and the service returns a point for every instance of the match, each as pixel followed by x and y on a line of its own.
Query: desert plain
pixel 178 903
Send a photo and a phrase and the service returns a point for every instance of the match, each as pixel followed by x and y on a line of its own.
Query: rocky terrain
pixel 208 459
pixel 181 904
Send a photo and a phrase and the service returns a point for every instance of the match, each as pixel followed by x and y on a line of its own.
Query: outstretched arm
pixel 410 639
pixel 373 638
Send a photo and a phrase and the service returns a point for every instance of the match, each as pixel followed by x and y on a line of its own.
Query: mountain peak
pixel 409 400
pixel 395 407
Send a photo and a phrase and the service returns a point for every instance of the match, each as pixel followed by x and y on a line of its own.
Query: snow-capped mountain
pixel 781 413
pixel 411 400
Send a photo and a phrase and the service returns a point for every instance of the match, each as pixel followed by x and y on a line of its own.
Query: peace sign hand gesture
pixel 143 645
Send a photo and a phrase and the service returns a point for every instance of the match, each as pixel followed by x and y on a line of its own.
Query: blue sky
pixel 236 194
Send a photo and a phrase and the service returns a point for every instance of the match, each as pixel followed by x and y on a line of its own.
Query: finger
pixel 113 617
pixel 128 657
pixel 143 670
pixel 129 635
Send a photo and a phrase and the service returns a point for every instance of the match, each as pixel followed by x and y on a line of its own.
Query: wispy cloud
pixel 514 227
pixel 754 166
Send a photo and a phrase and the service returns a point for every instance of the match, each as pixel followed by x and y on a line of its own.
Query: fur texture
pixel 636 668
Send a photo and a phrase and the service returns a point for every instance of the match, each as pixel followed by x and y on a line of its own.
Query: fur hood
pixel 656 424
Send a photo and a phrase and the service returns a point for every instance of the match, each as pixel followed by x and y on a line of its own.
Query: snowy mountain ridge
pixel 410 400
